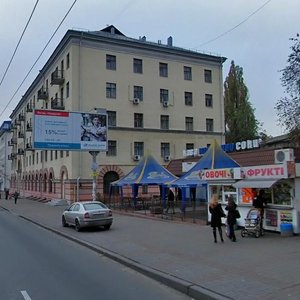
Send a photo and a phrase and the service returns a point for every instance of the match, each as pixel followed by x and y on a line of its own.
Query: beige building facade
pixel 160 99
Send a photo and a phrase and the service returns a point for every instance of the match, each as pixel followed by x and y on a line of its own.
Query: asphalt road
pixel 37 264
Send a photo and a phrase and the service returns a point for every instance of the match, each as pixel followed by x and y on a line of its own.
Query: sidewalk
pixel 184 256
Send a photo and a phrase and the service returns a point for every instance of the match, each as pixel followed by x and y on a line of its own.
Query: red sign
pixel 266 171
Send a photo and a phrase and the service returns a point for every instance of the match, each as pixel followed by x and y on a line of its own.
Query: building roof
pixel 148 171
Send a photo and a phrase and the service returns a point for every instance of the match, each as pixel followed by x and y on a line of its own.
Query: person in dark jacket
pixel 217 213
pixel 260 203
pixel 231 218
pixel 16 196
pixel 171 200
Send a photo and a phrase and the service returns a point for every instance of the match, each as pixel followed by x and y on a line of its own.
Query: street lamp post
pixel 94 170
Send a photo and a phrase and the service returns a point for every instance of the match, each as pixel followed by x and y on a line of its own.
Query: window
pixel 164 95
pixel 164 149
pixel 187 73
pixel 207 76
pixel 67 90
pixel 138 92
pixel 164 122
pixel 137 66
pixel 112 148
pixel 68 60
pixel 281 194
pixel 138 121
pixel 208 100
pixel 61 153
pixel 189 123
pixel 51 155
pixel 139 148
pixel 112 118
pixel 67 153
pixel 55 154
pixel 163 70
pixel 111 90
pixel 111 62
pixel 188 98
pixel 209 125
pixel 189 146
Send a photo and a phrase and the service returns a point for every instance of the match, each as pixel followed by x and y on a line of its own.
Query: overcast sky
pixel 253 33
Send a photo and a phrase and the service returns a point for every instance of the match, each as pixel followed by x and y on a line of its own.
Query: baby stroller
pixel 253 225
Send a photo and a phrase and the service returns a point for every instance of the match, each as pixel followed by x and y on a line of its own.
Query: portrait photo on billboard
pixel 93 127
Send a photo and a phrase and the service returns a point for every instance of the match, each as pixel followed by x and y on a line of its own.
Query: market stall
pixel 278 182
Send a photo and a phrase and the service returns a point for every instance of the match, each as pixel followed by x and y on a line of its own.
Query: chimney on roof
pixel 170 41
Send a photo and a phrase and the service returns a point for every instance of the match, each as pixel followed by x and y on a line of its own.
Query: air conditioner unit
pixel 283 155
pixel 136 101
pixel 136 157
pixel 165 103
pixel 167 158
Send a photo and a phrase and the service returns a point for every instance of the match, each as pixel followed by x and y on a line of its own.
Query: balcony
pixel 57 77
pixel 21 118
pixel 20 152
pixel 13 141
pixel 11 156
pixel 29 108
pixel 57 103
pixel 28 147
pixel 42 94
pixel 28 127
pixel 21 135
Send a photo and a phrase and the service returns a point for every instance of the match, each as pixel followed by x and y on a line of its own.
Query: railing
pixel 42 94
pixel 57 103
pixel 189 210
pixel 57 77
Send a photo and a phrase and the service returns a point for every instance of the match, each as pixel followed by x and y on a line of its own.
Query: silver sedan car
pixel 87 214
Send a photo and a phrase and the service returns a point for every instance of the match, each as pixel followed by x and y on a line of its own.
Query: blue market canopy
pixel 214 158
pixel 148 171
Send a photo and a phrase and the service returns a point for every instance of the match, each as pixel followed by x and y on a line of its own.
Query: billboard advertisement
pixel 62 130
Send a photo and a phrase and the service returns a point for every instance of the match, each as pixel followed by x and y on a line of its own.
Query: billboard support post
pixel 94 170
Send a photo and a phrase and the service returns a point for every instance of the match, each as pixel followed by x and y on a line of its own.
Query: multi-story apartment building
pixel 5 155
pixel 160 99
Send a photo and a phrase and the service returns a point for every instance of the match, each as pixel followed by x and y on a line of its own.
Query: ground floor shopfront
pixel 281 184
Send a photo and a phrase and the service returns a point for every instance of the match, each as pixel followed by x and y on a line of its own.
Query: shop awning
pixel 248 183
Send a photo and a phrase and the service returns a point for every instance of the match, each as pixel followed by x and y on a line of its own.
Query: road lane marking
pixel 25 295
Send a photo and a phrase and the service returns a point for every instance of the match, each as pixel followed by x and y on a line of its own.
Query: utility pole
pixel 94 170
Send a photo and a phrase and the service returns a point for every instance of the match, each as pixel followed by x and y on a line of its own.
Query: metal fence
pixel 193 211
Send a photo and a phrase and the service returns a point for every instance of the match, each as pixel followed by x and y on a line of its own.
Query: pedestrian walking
pixel 231 218
pixel 217 213
pixel 16 196
pixel 6 193
pixel 171 201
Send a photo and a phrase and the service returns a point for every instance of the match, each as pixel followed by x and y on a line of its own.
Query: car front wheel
pixel 106 227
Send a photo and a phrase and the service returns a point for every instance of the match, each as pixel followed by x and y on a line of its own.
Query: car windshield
pixel 93 206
